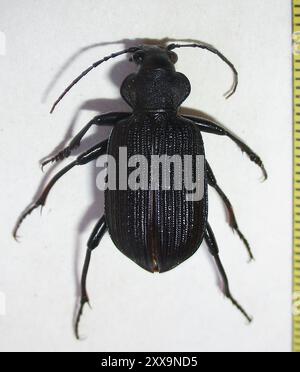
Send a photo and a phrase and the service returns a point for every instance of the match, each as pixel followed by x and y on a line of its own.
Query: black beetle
pixel 158 229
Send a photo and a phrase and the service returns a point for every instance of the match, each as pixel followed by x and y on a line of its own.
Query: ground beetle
pixel 157 229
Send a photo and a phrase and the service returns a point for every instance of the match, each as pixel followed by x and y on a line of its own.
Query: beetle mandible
pixel 157 229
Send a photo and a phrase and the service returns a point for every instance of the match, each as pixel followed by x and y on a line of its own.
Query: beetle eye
pixel 173 57
pixel 138 57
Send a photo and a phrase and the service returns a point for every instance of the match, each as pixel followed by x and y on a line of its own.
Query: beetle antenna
pixel 219 54
pixel 94 65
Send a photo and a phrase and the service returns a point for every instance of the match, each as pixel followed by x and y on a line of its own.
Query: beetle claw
pixel 265 173
pixel 59 156
pixel 238 306
pixel 16 237
pixel 80 311
pixel 26 213
pixel 46 162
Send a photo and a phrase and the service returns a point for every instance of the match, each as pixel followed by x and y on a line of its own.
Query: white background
pixel 182 310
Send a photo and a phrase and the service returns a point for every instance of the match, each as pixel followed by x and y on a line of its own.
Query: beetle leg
pixel 232 220
pixel 109 119
pixel 214 250
pixel 93 242
pixel 92 154
pixel 214 128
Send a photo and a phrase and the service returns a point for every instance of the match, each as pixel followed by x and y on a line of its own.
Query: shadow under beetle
pixel 157 229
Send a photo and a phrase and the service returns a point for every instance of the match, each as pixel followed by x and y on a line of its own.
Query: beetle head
pixel 154 62
pixel 156 85
pixel 154 57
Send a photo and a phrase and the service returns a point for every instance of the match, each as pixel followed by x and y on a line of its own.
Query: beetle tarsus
pixel 214 250
pixel 250 153
pixel 265 174
pixel 45 162
pixel 231 216
pixel 246 243
pixel 226 289
pixel 90 155
pixel 235 227
pixel 209 126
pixel 109 119
pixel 238 306
pixel 65 153
pixel 26 213
pixel 83 302
pixel 93 242
pixel 257 160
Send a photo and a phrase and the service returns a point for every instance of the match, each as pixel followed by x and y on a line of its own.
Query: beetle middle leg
pixel 232 219
pixel 214 250
pixel 93 243
pixel 214 128
pixel 108 119
pixel 88 156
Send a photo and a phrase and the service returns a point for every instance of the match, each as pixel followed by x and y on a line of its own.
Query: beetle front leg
pixel 88 156
pixel 214 250
pixel 232 220
pixel 93 243
pixel 108 119
pixel 214 128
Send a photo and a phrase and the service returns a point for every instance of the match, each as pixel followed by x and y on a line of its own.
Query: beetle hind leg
pixel 232 219
pixel 213 248
pixel 93 243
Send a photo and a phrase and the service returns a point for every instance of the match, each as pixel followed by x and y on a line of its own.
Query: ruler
pixel 296 103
